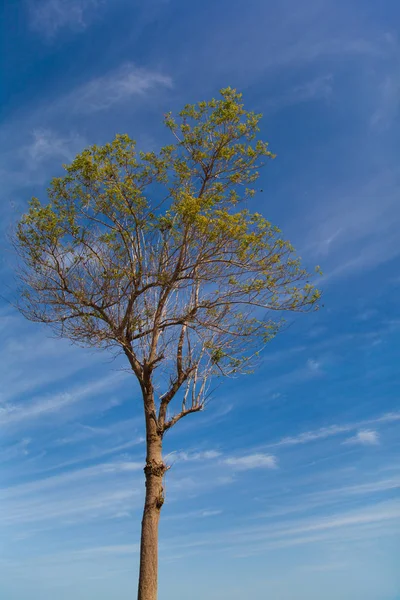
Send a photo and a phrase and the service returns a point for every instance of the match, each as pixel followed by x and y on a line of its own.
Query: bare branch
pixel 180 416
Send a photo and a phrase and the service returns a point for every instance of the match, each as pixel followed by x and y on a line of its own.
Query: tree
pixel 153 255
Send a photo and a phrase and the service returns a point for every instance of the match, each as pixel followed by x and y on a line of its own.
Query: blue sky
pixel 287 487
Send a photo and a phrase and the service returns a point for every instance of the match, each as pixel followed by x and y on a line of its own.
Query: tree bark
pixel 154 499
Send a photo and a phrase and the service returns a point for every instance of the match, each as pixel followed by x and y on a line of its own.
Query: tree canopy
pixel 157 254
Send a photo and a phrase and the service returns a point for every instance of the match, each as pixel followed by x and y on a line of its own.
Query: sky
pixel 287 486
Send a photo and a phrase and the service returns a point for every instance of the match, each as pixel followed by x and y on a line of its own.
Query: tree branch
pixel 179 416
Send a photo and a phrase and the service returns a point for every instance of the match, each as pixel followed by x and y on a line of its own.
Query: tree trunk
pixel 154 472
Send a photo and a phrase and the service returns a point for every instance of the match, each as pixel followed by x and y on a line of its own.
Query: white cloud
pixel 389 100
pixel 105 490
pixel 93 455
pixel 69 507
pixel 380 512
pixel 47 144
pixel 367 314
pixel 34 151
pixel 210 513
pixel 28 159
pixel 317 568
pixel 119 86
pixel 340 526
pixel 194 456
pixel 311 436
pixel 333 430
pixel 26 411
pixel 16 450
pixel 308 51
pixel 314 366
pixel 319 88
pixel 356 228
pixel 324 499
pixel 24 350
pixel 252 461
pixel 49 16
pixel 278 42
pixel 365 437
pixel 107 550
pixel 362 488
pixel 194 514
pixel 77 433
pixel 70 477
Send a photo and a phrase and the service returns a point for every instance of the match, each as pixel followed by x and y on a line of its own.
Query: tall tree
pixel 154 255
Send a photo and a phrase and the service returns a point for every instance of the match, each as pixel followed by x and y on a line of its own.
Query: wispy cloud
pixel 93 455
pixel 47 144
pixel 210 513
pixel 35 151
pixel 278 41
pixel 78 433
pixel 375 520
pixel 14 413
pixel 65 509
pixel 356 228
pixel 13 451
pixel 389 101
pixel 105 490
pixel 309 50
pixel 380 512
pixel 367 236
pixel 42 150
pixel 365 437
pixel 108 550
pixel 68 478
pixel 193 456
pixel 314 365
pixel 194 514
pixel 241 463
pixel 318 88
pixel 368 487
pixel 367 314
pixel 334 430
pixel 121 85
pixel 88 555
pixel 326 498
pixel 252 461
pixel 25 350
pixel 34 145
pixel 341 526
pixel 48 17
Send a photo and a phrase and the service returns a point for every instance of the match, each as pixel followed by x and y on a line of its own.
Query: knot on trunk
pixel 157 469
pixel 160 500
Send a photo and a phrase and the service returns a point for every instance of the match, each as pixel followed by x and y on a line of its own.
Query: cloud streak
pixel 119 86
pixel 17 413
pixel 193 456
pixel 365 437
pixel 47 144
pixel 336 430
pixel 318 88
pixel 378 519
pixel 70 477
pixel 252 461
pixel 47 135
pixel 48 17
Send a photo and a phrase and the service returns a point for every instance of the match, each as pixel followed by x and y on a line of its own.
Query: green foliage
pixel 131 246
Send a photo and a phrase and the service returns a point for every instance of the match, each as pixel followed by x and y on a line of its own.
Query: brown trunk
pixel 154 472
